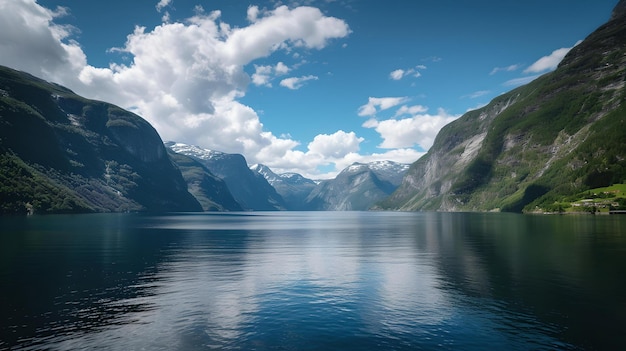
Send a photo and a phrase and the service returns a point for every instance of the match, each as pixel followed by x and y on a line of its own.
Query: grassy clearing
pixel 595 200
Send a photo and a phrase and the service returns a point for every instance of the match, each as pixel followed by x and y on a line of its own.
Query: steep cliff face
pixel 211 191
pixel 63 153
pixel 250 189
pixel 292 187
pixel 562 133
pixel 619 10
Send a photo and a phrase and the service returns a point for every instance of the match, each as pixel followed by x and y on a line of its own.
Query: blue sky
pixel 303 86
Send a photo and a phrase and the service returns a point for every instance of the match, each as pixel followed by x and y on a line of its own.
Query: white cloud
pixel 301 27
pixel 397 74
pixel 410 110
pixel 335 146
pixel 32 42
pixel 510 68
pixel 401 73
pixel 166 17
pixel 295 83
pixel 264 74
pixel 420 130
pixel 281 69
pixel 253 13
pixel 162 4
pixel 186 77
pixel 544 64
pixel 375 105
pixel 550 62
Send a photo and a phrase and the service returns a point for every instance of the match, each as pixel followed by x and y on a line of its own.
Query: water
pixel 313 281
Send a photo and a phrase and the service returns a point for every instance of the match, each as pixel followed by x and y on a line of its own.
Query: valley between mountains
pixel 543 147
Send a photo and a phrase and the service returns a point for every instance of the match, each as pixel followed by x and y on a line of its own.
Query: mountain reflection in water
pixel 313 280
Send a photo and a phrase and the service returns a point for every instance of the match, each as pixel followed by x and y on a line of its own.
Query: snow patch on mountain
pixel 195 151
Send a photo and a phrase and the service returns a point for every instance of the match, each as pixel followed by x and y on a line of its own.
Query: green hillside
pixel 560 135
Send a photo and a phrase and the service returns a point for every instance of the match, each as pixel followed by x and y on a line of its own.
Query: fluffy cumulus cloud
pixel 30 41
pixel 335 145
pixel 263 75
pixel 410 126
pixel 186 78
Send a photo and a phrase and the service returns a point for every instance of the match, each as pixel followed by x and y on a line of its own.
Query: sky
pixel 306 86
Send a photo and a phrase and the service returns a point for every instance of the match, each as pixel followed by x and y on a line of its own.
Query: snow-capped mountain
pixel 266 172
pixel 251 190
pixel 194 151
pixel 389 170
pixel 293 187
pixel 357 187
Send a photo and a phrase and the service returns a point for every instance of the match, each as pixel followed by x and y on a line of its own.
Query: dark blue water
pixel 313 281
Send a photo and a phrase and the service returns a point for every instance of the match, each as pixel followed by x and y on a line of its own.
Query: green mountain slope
pixel 60 152
pixel 561 134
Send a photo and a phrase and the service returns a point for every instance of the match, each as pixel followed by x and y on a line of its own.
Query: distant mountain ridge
pixel 390 171
pixel 358 187
pixel 558 135
pixel 292 187
pixel 526 150
pixel 250 189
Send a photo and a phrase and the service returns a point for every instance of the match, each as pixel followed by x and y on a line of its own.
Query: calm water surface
pixel 313 281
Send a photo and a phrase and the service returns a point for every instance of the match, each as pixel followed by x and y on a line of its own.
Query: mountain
pixel 250 189
pixel 211 191
pixel 528 149
pixel 61 153
pixel 292 187
pixel 357 187
pixel 392 172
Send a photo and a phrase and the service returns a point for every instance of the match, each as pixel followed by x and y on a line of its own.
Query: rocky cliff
pixel 560 134
pixel 250 189
pixel 60 152
pixel 211 191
